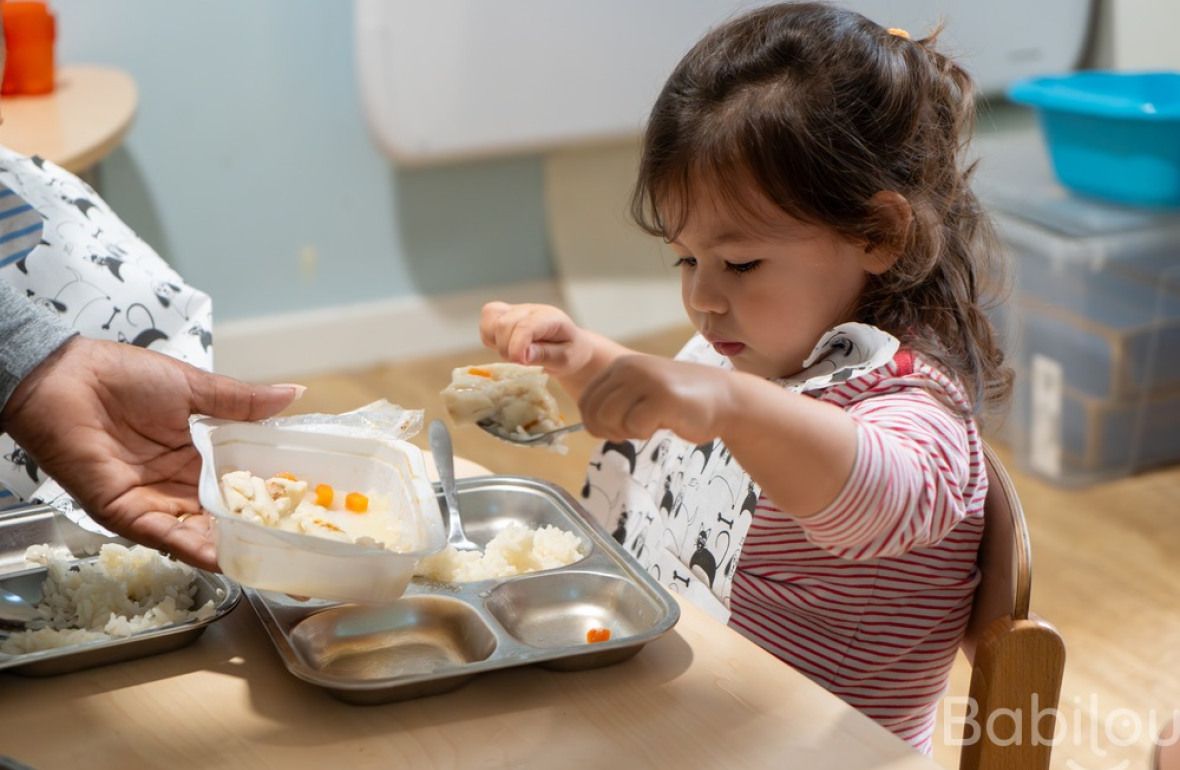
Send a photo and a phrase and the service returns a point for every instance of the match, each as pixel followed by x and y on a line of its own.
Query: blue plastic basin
pixel 1111 135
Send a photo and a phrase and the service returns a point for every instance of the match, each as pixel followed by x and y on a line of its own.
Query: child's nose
pixel 704 295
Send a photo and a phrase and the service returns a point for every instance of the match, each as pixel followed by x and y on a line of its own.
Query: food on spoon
pixel 287 503
pixel 596 635
pixel 512 396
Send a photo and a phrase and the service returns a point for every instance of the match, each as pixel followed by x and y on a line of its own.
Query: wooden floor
pixel 1104 566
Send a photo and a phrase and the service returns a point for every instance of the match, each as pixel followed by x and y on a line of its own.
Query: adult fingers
pixel 230 399
pixel 188 537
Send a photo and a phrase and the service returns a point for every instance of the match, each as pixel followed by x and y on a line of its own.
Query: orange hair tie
pixel 898 31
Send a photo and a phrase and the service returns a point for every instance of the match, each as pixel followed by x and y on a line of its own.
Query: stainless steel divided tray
pixel 34 525
pixel 439 635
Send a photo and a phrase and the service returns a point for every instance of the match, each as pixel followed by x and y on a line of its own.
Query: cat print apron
pixel 100 279
pixel 683 510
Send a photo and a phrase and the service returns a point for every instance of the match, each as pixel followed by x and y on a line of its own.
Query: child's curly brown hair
pixel 822 109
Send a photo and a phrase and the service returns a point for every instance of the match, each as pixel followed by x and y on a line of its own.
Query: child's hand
pixel 638 395
pixel 536 335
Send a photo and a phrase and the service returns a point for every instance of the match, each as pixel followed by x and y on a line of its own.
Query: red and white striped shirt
pixel 870 597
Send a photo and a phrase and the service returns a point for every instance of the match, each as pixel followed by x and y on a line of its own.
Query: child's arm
pixel 542 335
pixel 878 480
pixel 799 450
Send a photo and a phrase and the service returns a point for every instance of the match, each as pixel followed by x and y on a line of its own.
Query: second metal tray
pixel 440 635
pixel 33 525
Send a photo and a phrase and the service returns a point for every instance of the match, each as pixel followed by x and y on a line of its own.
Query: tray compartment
pixel 557 610
pixel 489 509
pixel 431 637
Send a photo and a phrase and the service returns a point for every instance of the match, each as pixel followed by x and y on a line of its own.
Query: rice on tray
pixel 514 551
pixel 122 592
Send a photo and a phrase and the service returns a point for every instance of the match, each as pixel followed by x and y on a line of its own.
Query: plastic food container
pixel 1112 135
pixel 271 559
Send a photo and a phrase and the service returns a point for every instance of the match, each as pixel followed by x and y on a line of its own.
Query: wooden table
pixel 699 696
pixel 77 125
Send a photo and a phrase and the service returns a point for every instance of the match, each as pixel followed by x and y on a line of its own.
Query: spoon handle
pixel 444 460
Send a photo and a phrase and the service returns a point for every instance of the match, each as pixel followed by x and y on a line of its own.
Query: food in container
pixel 511 396
pixel 390 473
pixel 291 504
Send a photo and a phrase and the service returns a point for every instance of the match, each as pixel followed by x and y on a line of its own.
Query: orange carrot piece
pixel 324 494
pixel 475 370
pixel 287 475
pixel 356 502
pixel 596 635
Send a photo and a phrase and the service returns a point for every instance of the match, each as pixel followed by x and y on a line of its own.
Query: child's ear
pixel 891 217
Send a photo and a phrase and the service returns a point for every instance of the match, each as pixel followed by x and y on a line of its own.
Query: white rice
pixel 514 551
pixel 122 592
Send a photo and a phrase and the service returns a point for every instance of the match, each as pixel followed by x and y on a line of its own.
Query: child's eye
pixel 742 267
pixel 685 262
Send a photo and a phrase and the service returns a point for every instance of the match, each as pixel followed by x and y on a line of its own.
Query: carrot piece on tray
pixel 596 635
pixel 287 475
pixel 324 494
pixel 476 371
pixel 356 502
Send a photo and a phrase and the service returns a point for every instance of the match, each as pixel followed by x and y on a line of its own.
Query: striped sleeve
pixel 907 485
pixel 20 227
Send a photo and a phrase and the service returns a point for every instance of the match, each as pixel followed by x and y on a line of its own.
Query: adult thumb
pixel 229 399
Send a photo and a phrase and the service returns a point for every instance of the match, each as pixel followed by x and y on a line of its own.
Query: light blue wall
pixel 249 146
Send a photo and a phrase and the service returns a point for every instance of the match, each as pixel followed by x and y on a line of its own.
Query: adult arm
pixel 28 334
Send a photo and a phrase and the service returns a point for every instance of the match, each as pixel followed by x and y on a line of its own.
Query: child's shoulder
pixel 909 372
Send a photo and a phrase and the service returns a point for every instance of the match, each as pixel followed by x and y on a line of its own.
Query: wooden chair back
pixel 1166 753
pixel 1017 659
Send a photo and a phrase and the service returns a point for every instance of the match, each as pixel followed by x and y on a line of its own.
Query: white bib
pixel 683 510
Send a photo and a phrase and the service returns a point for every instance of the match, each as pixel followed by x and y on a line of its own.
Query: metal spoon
pixel 15 611
pixel 533 439
pixel 444 460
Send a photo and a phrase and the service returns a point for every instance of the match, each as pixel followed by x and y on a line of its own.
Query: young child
pixel 808 469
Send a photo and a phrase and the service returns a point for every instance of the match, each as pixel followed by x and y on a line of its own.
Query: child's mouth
pixel 729 349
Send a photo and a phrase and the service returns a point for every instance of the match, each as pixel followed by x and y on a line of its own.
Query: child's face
pixel 763 296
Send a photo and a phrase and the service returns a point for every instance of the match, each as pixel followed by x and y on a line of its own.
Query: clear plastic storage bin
pixel 1092 326
pixel 1071 438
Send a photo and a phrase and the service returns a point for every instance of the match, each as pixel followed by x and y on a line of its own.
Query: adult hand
pixel 109 423
pixel 637 395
